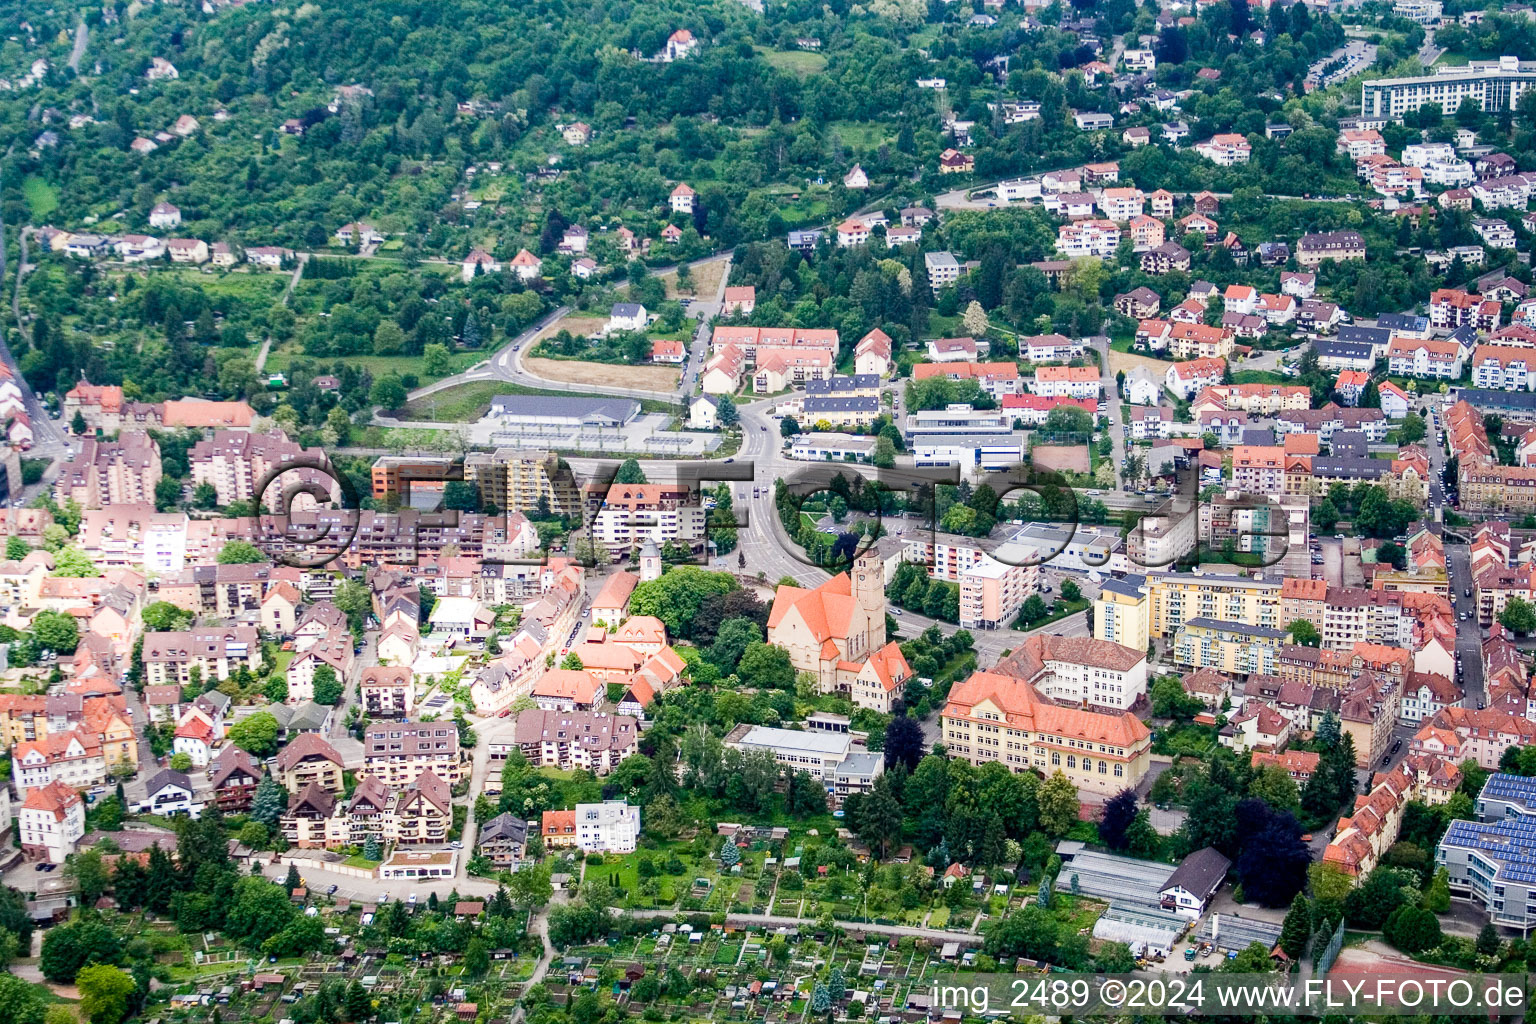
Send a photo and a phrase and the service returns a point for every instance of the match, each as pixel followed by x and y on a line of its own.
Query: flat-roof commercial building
pixel 1493 861
pixel 826 755
pixel 973 453
pixel 1496 85
pixel 832 446
pixel 565 413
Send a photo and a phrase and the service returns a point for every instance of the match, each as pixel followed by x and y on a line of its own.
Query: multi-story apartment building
pixel 1258 469
pixel 1416 358
pixel 523 481
pixel 1494 85
pixel 992 717
pixel 1120 612
pixel 51 823
pixel 612 826
pixel 634 513
pixel 1088 238
pixel 243 466
pixel 576 740
pixel 124 471
pixel 422 812
pixel 503 840
pixel 308 758
pixel 1450 309
pixel 1175 598
pixel 1233 647
pixel 993 586
pixel 1313 249
pixel 397 753
pixel 217 653
pixel 388 691
pixel 1225 150
pixel 1504 367
pixel 235 778
pixel 73 758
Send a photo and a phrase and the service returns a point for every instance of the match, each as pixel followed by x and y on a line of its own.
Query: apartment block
pixel 118 472
pixel 217 653
pixel 398 753
pixel 516 480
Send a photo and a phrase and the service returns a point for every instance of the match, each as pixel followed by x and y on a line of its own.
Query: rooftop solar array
pixel 1510 843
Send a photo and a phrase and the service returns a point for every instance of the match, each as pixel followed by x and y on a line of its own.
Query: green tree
pixel 1297 927
pixel 726 411
pixel 1518 616
pixel 630 473
pixel 388 393
pixel 56 631
pixel 436 360
pixel 181 762
pixel 16 549
pixel 167 493
pixel 162 616
pixel 1412 429
pixel 1058 804
pixel 730 855
pixel 240 552
pixel 1304 633
pixel 71 561
pixel 328 688
pixel 105 993
pixel 21 1002
pixel 256 734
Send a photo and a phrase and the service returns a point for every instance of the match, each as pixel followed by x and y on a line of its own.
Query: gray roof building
pixel 558 410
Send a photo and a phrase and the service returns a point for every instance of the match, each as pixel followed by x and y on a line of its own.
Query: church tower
pixel 869 592
pixel 650 561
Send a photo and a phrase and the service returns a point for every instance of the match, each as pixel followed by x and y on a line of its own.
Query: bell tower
pixel 869 592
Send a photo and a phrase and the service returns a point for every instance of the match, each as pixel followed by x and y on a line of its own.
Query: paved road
pixel 507 362
pixel 1469 644
pixel 82 39
pixel 1117 450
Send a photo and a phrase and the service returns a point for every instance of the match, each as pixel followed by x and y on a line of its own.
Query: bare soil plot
pixel 706 281
pixel 661 379
pixel 1126 361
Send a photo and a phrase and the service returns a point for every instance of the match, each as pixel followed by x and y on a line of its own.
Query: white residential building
pixel 52 821
pixel 612 826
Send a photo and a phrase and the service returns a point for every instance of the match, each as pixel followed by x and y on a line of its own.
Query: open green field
pixel 41 198
pixel 251 287
pixel 380 366
pixel 863 135
pixel 467 402
pixel 796 62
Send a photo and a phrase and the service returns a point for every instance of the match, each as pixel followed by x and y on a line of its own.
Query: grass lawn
pixel 252 287
pixel 864 135
pixel 1121 344
pixel 281 663
pixel 357 860
pixel 939 918
pixel 467 402
pixel 1077 913
pixel 796 62
pixel 381 366
pixel 42 199
pixel 1060 610
pixel 1261 377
